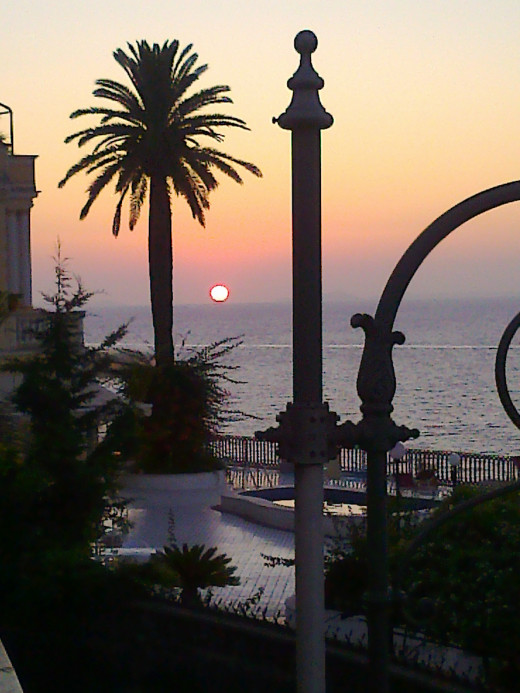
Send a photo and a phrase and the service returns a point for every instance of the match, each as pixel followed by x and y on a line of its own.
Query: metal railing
pixel 252 477
pixel 20 329
pixel 474 468
pixel 243 451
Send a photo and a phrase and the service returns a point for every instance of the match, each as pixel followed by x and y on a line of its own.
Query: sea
pixel 444 371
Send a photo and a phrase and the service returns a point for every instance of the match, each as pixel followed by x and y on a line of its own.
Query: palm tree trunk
pixel 160 262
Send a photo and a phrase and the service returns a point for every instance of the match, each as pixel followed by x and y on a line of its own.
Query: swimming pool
pixel 270 506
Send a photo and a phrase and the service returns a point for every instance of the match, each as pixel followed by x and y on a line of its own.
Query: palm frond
pixel 190 188
pixel 155 126
pixel 179 67
pixel 115 91
pixel 201 168
pixel 98 131
pixel 219 163
pixel 104 159
pixel 88 163
pixel 138 195
pixel 110 134
pixel 97 186
pixel 116 223
pixel 95 110
pixel 227 157
pixel 204 97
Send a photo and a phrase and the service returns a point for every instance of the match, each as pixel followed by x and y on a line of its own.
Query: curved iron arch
pixel 376 382
pixel 437 231
pixel 500 370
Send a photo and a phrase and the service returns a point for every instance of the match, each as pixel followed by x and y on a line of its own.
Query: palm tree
pixel 151 141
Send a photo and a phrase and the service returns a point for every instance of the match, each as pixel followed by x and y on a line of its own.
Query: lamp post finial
pixel 305 109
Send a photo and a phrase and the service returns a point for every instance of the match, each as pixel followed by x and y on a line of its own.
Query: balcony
pixel 19 330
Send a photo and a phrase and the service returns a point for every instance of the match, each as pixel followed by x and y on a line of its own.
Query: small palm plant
pixel 192 568
pixel 189 568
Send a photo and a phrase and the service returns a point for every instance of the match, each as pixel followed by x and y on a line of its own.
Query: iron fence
pixel 243 452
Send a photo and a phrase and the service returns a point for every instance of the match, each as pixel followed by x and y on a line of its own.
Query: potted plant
pixel 175 410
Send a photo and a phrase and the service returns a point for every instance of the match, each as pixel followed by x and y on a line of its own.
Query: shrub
pixel 192 568
pixel 461 584
pixel 469 567
pixel 346 560
pixel 185 407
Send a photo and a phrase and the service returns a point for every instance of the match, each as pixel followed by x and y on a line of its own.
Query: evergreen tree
pixel 54 486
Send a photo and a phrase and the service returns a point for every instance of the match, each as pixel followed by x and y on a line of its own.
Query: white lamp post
pixel 307 424
pixel 454 462
pixel 397 453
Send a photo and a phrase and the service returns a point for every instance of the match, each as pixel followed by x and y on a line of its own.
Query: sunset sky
pixel 426 103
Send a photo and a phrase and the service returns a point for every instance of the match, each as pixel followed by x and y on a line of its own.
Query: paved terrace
pixel 197 521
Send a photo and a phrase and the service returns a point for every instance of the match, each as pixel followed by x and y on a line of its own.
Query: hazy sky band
pixel 426 105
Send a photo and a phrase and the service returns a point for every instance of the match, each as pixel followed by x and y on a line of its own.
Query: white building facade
pixel 17 192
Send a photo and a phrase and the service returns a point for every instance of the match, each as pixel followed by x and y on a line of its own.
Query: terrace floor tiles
pixel 197 522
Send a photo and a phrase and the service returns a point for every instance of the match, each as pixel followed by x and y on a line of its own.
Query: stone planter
pixel 153 497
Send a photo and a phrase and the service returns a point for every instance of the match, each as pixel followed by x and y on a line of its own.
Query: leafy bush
pixel 461 584
pixel 469 568
pixel 346 572
pixel 186 408
pixel 346 560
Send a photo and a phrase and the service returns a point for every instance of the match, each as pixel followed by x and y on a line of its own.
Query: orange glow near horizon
pixel 425 114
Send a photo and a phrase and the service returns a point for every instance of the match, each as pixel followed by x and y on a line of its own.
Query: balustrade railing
pixel 474 468
pixel 19 329
pixel 245 451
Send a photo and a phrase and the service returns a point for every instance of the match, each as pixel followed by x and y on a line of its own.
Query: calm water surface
pixel 445 370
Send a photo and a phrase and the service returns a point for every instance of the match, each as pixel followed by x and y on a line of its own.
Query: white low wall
pixel 265 512
pixel 258 510
pixel 153 497
pixel 173 482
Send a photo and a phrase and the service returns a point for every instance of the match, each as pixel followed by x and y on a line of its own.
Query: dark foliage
pixel 54 476
pixel 467 570
pixel 184 407
pixel 461 585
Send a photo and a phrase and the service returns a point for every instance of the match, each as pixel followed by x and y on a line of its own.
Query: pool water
pixel 341 509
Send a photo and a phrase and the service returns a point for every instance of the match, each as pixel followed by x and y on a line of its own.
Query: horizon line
pixel 287 301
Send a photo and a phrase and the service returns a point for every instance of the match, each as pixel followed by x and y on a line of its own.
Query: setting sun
pixel 219 293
